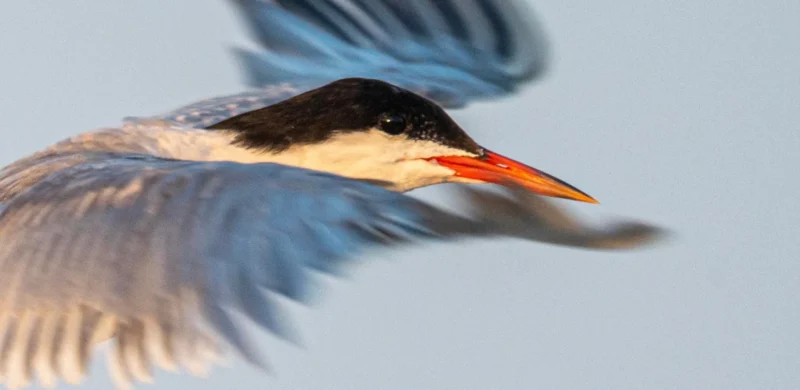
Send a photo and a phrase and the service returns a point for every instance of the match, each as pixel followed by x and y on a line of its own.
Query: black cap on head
pixel 347 105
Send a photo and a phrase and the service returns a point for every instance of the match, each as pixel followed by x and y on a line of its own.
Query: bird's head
pixel 369 129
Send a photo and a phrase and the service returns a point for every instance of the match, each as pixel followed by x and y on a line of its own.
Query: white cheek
pixel 425 149
pixel 367 155
pixel 408 175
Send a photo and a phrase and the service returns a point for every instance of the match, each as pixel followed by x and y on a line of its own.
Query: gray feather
pixel 154 253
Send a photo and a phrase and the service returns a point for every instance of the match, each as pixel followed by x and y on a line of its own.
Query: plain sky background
pixel 683 113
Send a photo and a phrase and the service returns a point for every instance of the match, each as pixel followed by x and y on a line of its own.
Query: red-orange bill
pixel 494 168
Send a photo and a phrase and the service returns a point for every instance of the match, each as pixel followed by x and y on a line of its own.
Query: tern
pixel 151 234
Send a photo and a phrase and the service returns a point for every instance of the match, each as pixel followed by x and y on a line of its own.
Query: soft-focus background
pixel 684 113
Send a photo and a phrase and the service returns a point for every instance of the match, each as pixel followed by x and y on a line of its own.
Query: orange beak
pixel 494 168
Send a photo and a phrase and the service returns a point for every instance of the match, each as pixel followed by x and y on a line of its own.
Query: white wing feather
pixel 156 253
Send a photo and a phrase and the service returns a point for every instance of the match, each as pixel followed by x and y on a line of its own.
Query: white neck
pixel 364 155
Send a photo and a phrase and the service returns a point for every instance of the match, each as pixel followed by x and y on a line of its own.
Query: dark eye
pixel 392 123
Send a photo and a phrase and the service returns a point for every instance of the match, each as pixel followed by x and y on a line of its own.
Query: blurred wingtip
pixel 629 236
pixel 505 50
pixel 536 218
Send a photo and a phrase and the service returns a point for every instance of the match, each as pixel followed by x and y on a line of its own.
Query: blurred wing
pixel 451 51
pixel 156 254
pixel 454 51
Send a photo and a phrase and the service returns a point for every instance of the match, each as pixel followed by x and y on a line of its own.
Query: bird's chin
pixel 407 175
pixel 416 184
pixel 464 180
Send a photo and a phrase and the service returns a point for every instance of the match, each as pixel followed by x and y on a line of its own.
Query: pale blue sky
pixel 683 113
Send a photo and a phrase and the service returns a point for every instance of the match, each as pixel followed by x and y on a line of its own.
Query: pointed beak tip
pixel 567 192
pixel 498 169
pixel 588 199
pixel 575 194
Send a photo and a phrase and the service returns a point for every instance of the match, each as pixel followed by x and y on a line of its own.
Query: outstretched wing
pixel 451 51
pixel 156 255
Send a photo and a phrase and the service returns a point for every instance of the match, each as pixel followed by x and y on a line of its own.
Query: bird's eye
pixel 392 123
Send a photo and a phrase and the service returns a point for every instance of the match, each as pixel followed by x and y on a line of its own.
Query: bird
pixel 151 234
